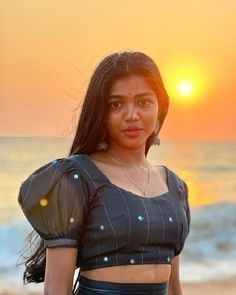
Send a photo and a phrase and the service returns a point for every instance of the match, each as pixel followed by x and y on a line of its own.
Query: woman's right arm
pixel 60 267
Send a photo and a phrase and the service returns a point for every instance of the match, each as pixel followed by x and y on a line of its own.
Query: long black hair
pixel 91 124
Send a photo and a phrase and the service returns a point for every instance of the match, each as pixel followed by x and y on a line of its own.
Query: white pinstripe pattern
pixel 74 213
pixel 46 222
pixel 65 211
pixel 53 226
pixel 53 175
pixel 31 183
pixel 176 215
pixel 107 215
pixel 167 197
pixel 148 232
pixel 27 191
pixel 84 199
pixel 163 222
pixel 124 199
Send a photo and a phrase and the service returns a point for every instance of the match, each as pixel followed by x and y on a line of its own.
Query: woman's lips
pixel 132 133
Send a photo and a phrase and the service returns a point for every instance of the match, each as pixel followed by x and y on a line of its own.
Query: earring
pixel 156 139
pixel 102 145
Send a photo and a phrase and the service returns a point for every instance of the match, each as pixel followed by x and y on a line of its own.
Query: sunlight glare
pixel 186 81
pixel 185 88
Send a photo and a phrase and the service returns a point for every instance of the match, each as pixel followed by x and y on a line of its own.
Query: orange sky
pixel 49 49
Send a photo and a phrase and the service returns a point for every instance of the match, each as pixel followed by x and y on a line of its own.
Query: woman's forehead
pixel 130 85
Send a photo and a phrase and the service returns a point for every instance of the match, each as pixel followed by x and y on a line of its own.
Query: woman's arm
pixel 174 281
pixel 60 267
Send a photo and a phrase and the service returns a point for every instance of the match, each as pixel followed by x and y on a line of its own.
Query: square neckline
pixel 127 191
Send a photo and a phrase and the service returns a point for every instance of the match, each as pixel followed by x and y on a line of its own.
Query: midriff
pixel 140 273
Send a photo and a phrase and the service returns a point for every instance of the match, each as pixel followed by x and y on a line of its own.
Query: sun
pixel 186 81
pixel 185 88
pixel 185 91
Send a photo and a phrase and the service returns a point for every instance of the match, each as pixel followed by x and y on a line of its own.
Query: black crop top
pixel 71 203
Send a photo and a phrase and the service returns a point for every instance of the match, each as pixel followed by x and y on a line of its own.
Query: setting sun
pixel 186 81
pixel 185 88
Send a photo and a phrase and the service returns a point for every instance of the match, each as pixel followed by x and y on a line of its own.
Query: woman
pixel 105 208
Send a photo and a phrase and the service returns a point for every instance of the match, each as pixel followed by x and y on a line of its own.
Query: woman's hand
pixel 60 268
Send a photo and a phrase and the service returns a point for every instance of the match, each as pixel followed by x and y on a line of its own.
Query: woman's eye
pixel 115 104
pixel 144 102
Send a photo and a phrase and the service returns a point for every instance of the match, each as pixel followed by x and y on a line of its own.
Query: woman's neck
pixel 129 158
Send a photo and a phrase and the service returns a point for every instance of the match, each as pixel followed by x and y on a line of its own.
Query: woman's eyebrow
pixel 123 96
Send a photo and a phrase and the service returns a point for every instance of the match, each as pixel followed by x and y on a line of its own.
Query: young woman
pixel 105 209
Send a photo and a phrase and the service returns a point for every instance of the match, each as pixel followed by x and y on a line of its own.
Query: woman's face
pixel 132 112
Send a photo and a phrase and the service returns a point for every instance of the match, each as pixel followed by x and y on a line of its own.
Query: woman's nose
pixel 131 112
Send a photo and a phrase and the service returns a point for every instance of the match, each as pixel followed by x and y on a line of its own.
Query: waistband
pixel 132 288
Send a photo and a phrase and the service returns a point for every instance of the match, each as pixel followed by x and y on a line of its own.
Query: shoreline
pixel 217 287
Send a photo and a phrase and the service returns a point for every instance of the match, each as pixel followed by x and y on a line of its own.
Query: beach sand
pixel 219 287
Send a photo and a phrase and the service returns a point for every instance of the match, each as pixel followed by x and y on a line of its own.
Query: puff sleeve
pixel 54 200
pixel 187 218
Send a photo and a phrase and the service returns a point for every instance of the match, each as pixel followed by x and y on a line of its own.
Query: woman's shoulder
pixel 57 167
pixel 52 170
pixel 170 174
pixel 57 174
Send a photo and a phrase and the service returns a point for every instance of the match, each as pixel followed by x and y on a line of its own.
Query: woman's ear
pixel 157 126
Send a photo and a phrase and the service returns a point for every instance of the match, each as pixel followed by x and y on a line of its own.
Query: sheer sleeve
pixel 187 213
pixel 54 201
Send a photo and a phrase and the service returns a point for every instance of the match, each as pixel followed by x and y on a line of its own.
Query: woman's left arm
pixel 174 281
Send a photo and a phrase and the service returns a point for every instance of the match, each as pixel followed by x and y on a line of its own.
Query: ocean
pixel 209 169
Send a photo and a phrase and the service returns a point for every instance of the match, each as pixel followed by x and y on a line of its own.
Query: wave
pixel 212 233
pixel 209 251
pixel 12 243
